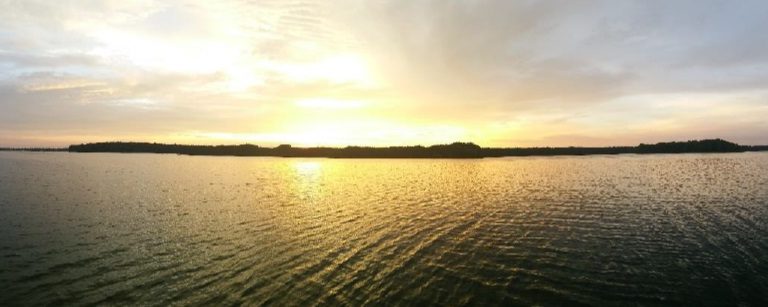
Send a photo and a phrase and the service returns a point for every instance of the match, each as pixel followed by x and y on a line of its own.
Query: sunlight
pixel 307 168
pixel 340 133
pixel 390 152
pixel 343 68
pixel 332 135
pixel 306 183
pixel 328 103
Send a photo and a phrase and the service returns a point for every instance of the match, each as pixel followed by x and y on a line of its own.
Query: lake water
pixel 598 230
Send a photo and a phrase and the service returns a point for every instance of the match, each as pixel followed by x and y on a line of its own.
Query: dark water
pixel 601 230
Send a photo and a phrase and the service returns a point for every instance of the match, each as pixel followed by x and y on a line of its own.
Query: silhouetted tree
pixel 716 145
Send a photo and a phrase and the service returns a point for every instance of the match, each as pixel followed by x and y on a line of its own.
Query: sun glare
pixel 328 103
pixel 307 168
pixel 342 68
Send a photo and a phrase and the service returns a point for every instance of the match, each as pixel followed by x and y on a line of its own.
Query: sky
pixel 360 72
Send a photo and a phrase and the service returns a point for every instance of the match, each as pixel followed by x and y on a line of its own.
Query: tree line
pixel 453 150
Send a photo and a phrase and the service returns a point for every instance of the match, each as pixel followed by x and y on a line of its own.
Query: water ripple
pixel 176 230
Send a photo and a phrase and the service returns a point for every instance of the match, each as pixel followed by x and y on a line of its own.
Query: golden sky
pixel 498 73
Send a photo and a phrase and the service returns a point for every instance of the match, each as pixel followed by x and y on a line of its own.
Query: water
pixel 599 230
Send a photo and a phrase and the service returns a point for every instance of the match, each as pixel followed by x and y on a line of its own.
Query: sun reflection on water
pixel 307 168
pixel 308 179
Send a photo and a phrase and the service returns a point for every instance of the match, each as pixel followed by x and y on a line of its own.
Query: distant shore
pixel 454 150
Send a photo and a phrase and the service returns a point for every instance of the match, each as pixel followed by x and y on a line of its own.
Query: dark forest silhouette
pixel 454 150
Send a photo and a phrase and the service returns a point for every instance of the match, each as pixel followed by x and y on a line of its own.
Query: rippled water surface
pixel 598 230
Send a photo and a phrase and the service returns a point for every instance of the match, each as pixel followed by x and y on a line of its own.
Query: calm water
pixel 598 230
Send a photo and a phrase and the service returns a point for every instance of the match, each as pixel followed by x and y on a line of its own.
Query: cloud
pixel 497 72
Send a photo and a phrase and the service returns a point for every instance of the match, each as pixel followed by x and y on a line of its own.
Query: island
pixel 454 150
